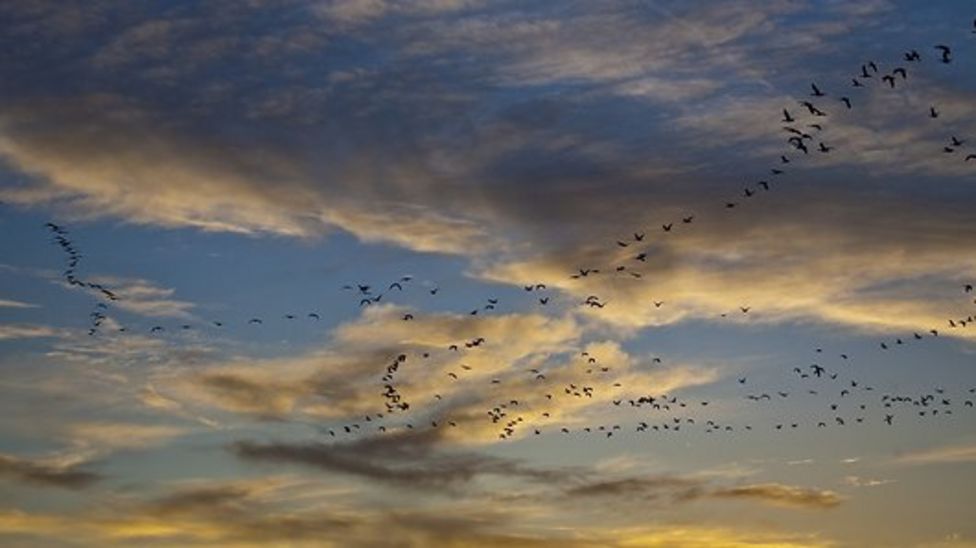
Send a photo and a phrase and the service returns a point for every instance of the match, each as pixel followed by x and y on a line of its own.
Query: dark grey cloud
pixel 779 494
pixel 648 488
pixel 687 489
pixel 411 459
pixel 46 474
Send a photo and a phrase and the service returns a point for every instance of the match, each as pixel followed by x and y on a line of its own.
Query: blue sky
pixel 221 162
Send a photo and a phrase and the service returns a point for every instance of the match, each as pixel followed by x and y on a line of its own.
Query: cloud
pixel 20 331
pixel 174 179
pixel 851 278
pixel 949 454
pixel 340 383
pixel 782 495
pixel 104 436
pixel 7 303
pixel 713 537
pixel 402 459
pixel 412 170
pixel 677 489
pixel 263 510
pixel 145 298
pixel 45 473
pixel 855 481
pixel 354 12
pixel 258 512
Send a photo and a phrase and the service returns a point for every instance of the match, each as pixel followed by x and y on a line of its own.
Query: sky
pixel 445 273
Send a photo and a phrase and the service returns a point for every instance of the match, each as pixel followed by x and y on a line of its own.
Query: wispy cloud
pixel 782 495
pixel 7 303
pixel 22 331
pixel 948 454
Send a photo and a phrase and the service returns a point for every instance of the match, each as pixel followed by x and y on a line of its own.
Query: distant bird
pixel 913 56
pixel 846 101
pixel 787 118
pixel 816 91
pixel 813 109
pixel 946 53
pixel 933 113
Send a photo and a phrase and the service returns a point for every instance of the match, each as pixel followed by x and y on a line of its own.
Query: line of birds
pixel 72 261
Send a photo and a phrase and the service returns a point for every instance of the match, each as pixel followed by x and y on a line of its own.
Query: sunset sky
pixel 189 355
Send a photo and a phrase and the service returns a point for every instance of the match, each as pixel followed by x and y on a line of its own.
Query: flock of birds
pixel 849 400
